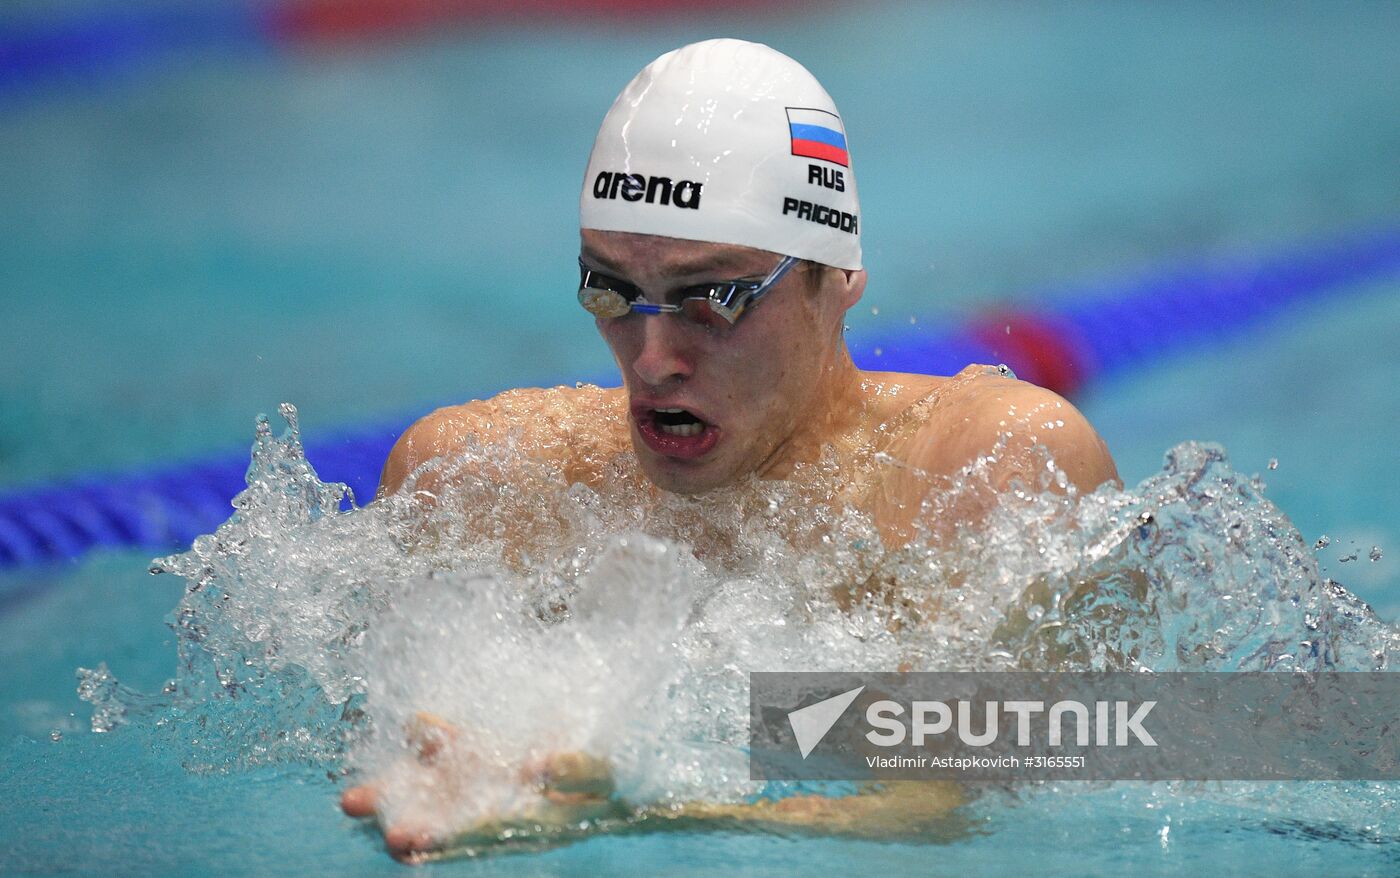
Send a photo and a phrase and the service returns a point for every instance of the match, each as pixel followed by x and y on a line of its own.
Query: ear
pixel 853 287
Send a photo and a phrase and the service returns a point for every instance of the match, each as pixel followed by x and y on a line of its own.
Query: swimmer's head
pixel 728 142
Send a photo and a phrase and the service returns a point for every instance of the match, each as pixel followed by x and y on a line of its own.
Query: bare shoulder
pixel 979 408
pixel 551 419
pixel 903 387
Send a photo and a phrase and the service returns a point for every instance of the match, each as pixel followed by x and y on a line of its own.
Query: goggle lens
pixel 706 313
pixel 603 303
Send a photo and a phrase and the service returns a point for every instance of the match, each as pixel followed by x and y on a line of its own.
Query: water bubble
pixel 1375 553
pixel 1322 542
pixel 622 620
pixel 289 414
pixel 1346 558
pixel 56 735
pixel 875 310
pixel 879 352
pixel 913 320
pixel 1273 463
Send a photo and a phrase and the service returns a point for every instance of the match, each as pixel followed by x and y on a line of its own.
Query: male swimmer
pixel 721 250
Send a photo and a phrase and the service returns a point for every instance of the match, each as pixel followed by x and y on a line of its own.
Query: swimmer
pixel 720 251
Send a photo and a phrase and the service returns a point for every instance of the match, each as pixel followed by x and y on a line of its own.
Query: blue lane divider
pixel 163 507
pixel 1103 330
pixel 100 43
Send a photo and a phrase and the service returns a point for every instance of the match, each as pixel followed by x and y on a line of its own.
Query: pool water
pixel 200 240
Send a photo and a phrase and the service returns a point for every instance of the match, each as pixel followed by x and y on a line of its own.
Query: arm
pixel 1005 423
pixel 575 792
pixel 889 811
pixel 576 796
pixel 441 434
pixel 989 410
pixel 1001 421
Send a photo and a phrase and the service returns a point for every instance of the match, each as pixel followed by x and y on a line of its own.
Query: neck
pixel 833 410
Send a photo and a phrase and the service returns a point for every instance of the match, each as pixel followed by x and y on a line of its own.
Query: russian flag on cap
pixel 817 134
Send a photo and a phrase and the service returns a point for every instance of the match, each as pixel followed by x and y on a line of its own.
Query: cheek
pixel 764 372
pixel 618 336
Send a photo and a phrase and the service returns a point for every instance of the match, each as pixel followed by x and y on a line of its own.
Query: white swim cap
pixel 731 142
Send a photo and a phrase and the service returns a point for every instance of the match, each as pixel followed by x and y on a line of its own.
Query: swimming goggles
pixel 720 305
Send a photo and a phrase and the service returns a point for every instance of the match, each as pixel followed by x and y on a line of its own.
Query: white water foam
pixel 624 626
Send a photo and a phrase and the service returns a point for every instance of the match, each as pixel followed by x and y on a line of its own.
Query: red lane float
pixel 301 21
pixel 1043 351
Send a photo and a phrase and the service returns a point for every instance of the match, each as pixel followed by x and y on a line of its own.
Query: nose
pixel 665 353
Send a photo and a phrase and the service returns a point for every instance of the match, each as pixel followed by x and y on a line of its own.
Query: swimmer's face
pixel 707 407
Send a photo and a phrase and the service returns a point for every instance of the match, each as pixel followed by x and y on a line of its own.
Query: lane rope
pixel 1104 329
pixel 115 40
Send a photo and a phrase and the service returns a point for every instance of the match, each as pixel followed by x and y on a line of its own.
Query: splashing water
pixel 540 616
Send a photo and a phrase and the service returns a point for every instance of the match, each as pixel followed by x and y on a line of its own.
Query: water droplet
pixel 1273 463
pixel 1352 557
pixel 56 735
pixel 875 310
pixel 1322 542
pixel 1008 329
pixel 879 352
pixel 913 320
pixel 1375 553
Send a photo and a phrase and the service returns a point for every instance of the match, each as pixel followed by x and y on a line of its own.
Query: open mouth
pixel 675 432
pixel 677 422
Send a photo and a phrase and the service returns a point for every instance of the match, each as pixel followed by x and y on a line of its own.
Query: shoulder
pixel 539 416
pixel 979 410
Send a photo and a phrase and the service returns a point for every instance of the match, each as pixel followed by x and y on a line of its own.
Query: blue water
pixel 197 240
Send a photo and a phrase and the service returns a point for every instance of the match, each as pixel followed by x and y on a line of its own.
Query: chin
pixel 681 478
